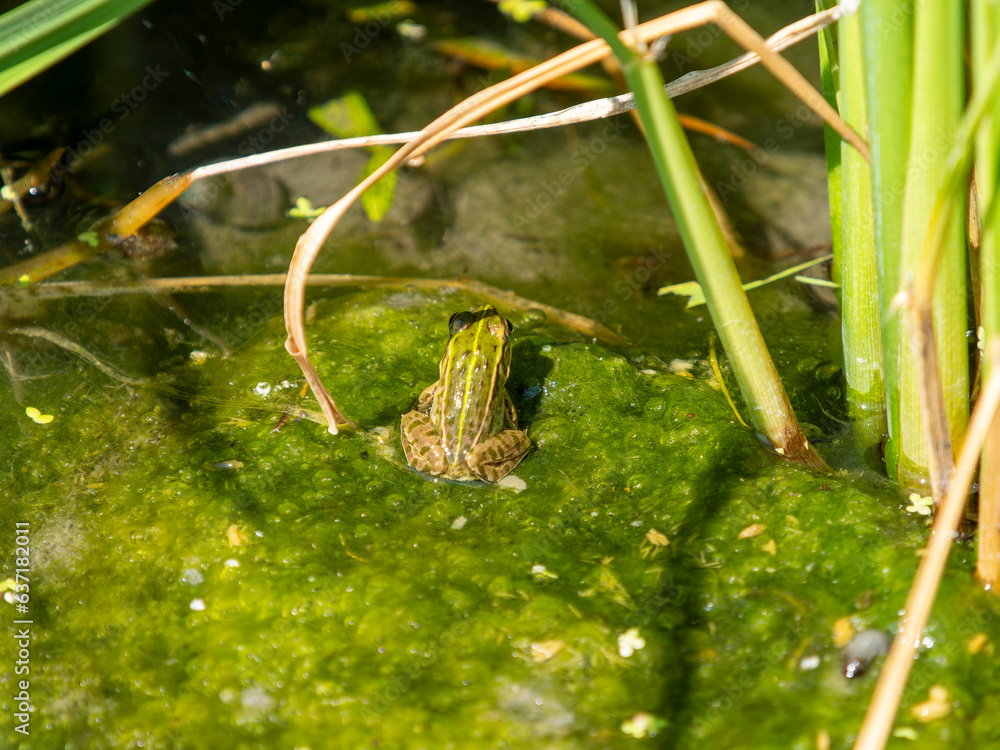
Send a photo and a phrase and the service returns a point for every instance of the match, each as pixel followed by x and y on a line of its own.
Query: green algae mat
pixel 201 576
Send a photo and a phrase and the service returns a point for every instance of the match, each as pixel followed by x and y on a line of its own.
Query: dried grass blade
pixel 885 702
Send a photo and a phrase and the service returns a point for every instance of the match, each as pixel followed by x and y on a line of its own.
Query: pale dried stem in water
pixel 885 701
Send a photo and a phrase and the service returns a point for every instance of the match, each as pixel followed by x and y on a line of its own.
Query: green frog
pixel 464 426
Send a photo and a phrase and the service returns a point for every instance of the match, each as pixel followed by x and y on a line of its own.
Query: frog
pixel 464 426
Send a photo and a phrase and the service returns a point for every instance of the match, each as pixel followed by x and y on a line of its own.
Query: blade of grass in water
pixel 859 298
pixel 40 33
pixel 770 410
pixel 887 46
pixel 937 107
pixel 830 86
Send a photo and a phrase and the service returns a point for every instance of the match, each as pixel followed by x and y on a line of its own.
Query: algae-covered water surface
pixel 209 567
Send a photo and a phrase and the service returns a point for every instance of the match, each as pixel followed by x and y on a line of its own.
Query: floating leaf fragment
pixel 37 416
pixel 304 209
pixel 89 238
pixel 522 11
pixel 937 705
pixel 921 505
pixel 545 650
pixel 657 538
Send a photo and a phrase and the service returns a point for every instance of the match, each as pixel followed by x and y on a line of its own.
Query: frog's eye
pixel 460 321
pixel 500 327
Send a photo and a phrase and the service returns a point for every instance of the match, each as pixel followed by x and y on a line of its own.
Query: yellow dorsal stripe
pixel 470 370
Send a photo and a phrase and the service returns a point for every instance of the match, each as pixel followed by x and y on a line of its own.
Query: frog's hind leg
pixel 422 444
pixel 495 458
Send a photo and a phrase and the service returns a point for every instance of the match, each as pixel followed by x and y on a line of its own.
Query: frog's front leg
pixel 422 444
pixel 494 458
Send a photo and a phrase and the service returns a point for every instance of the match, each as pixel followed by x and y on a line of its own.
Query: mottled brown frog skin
pixel 464 426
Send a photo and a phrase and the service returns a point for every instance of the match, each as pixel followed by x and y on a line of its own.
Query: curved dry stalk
pixel 482 103
pixel 578 113
pixel 188 284
pixel 885 702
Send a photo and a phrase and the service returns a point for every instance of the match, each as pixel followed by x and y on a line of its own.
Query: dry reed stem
pixel 889 690
pixel 988 546
pixel 199 284
pixel 940 455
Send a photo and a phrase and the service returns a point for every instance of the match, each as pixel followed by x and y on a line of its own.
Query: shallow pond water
pixel 204 574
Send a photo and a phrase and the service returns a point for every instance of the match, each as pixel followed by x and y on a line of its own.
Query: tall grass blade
pixel 937 107
pixel 887 47
pixel 770 410
pixel 40 33
pixel 861 311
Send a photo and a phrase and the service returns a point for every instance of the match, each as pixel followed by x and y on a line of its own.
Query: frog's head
pixel 482 331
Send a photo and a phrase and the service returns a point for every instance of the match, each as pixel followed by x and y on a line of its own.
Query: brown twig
pixel 501 298
pixel 885 702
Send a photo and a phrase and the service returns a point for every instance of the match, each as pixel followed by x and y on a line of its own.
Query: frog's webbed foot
pixel 422 444
pixel 495 458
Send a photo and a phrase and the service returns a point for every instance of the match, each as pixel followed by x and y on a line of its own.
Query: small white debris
pixel 198 357
pixel 643 725
pixel 809 662
pixel 629 642
pixel 540 572
pixel 511 482
pixel 262 389
pixel 415 32
pixel 459 523
pixel 198 605
pixel 193 576
pixel 682 367
pixel 232 562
